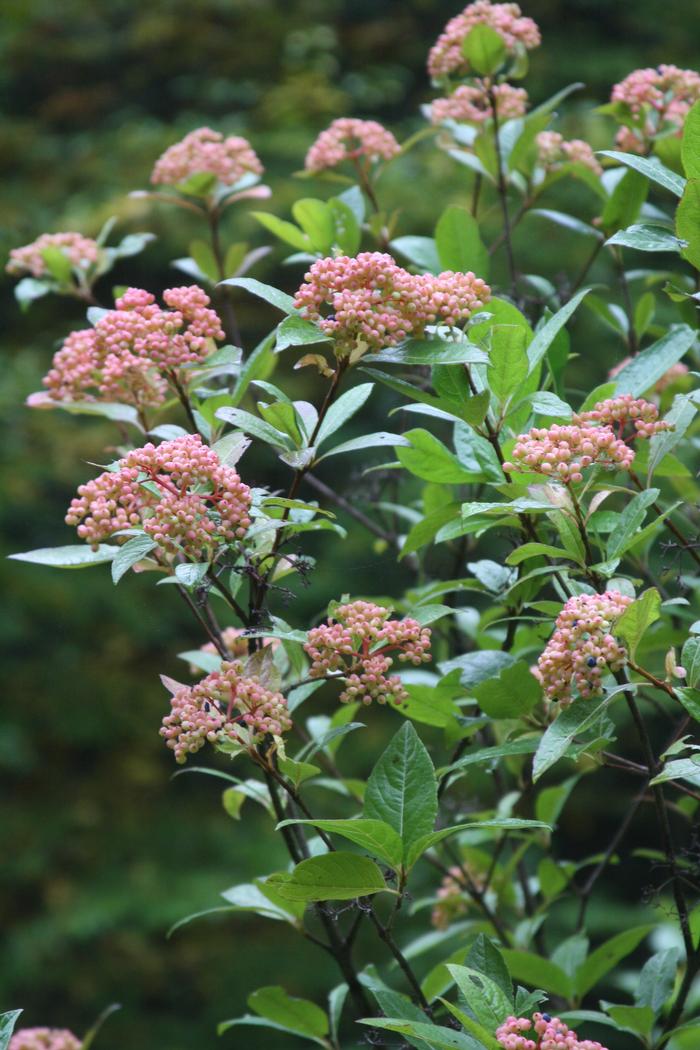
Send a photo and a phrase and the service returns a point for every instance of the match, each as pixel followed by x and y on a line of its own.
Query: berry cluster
pixel 582 649
pixel 629 417
pixel 82 252
pixel 563 452
pixel 349 139
pixel 44 1039
pixel 550 1034
pixel 375 303
pixel 359 642
pixel 204 150
pixel 446 56
pixel 178 492
pixel 227 705
pixel 121 357
pixel 659 100
pixel 470 104
pixel 553 150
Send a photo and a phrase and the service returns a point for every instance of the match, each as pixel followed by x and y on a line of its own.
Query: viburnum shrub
pixel 545 625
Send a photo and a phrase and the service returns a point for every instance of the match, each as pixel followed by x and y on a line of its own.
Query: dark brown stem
pixel 586 268
pixel 183 399
pixel 502 188
pixel 386 935
pixel 228 597
pixel 340 501
pixel 683 540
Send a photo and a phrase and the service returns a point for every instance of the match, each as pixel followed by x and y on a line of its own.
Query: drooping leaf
pixel 459 244
pixel 570 722
pixel 637 617
pixel 644 370
pixel 74 556
pixel 375 836
pixel 133 551
pixel 603 959
pixel 650 167
pixel 511 695
pixel 271 295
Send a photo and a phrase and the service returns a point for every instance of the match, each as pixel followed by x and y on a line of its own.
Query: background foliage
pixel 101 851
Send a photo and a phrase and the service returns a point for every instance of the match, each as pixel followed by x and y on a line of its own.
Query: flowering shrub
pixel 546 539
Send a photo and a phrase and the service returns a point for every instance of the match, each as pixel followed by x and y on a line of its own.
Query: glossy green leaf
pixel 603 959
pixel 636 618
pixel 569 724
pixel 8 1021
pixel 130 553
pixel 644 370
pixel 647 238
pixel 511 695
pixel 427 841
pixel 343 409
pixel 459 244
pixel 508 360
pixel 651 168
pixel 544 337
pixel 435 1036
pixel 271 295
pixel 430 352
pixel 688 222
pixel 74 556
pixel 537 972
pixel 630 521
pixel 657 979
pixel 484 49
pixel 429 459
pixel 375 836
pixel 330 877
pixel 296 1015
pixel 402 789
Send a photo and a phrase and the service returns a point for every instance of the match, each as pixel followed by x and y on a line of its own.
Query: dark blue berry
pixel 546 1017
pixel 592 661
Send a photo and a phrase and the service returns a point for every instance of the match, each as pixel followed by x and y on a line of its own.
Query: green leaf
pixel 651 168
pixel 629 522
pixel 537 972
pixel 74 556
pixel 330 877
pixel 258 428
pixel 347 233
pixel 511 695
pixel 429 459
pixel 484 957
pixel 426 529
pixel 569 222
pixel 316 220
pixel 636 618
pixel 484 49
pixel 479 666
pixel 690 698
pixel 459 243
pixel 205 259
pixel 508 361
pixel 544 337
pixel 430 352
pixel 29 289
pixel 58 263
pixel 657 979
pixel 522 746
pixel 682 769
pixel 132 552
pixel 647 238
pixel 402 789
pixel 688 222
pixel 535 550
pixel 382 439
pixel 486 999
pixel 296 1015
pixel 472 1026
pixel 375 836
pixel 8 1021
pixel 625 201
pixel 393 1004
pixel 286 231
pixel 435 1036
pixel 570 723
pixel 271 295
pixel 638 1019
pixel 343 409
pixel 421 251
pixel 690 144
pixel 297 771
pixel 257 365
pixel 681 415
pixel 690 659
pixel 651 364
pixel 603 959
pixel 427 841
pixel 296 331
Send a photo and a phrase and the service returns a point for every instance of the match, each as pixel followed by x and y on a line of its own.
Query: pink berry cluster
pixel 359 641
pixel 446 56
pixel 350 139
pixel 582 647
pixel 674 373
pixel 629 417
pixel 451 901
pixel 470 104
pixel 553 150
pixel 82 252
pixel 375 303
pixel 204 150
pixel 227 705
pixel 44 1039
pixel 563 452
pixel 550 1034
pixel 121 357
pixel 659 100
pixel 178 492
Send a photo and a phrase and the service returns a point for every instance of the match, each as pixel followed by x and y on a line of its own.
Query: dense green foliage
pixel 103 852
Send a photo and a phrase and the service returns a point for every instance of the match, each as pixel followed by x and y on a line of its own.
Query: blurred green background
pixel 101 851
